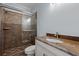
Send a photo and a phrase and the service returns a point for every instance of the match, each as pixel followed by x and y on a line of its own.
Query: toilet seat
pixel 30 50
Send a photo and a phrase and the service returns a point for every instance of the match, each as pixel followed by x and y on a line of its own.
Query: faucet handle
pixel 56 33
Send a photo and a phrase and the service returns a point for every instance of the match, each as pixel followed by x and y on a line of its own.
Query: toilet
pixel 30 51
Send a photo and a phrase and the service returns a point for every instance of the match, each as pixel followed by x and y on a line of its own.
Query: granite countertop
pixel 69 46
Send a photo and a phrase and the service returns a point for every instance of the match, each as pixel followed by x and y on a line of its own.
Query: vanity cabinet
pixel 43 49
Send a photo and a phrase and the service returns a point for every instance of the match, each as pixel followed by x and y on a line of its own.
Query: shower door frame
pixel 2 50
pixel 1 31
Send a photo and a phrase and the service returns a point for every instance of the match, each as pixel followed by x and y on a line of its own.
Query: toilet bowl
pixel 30 51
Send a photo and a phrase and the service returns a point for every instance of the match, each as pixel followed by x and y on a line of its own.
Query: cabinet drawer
pixel 44 51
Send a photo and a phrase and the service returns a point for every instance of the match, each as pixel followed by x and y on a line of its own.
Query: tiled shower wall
pixel 1 30
pixel 16 36
pixel 28 37
pixel 12 38
pixel 29 32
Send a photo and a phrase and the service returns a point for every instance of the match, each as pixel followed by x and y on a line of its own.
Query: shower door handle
pixel 6 29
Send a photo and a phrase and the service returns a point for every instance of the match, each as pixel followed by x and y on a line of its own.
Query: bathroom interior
pixel 39 29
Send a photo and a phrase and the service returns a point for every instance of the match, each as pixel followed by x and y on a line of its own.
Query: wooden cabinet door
pixel 42 51
pixel 12 29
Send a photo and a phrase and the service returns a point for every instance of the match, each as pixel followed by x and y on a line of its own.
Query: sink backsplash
pixel 62 36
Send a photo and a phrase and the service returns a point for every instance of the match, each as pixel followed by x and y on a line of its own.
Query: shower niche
pixel 29 28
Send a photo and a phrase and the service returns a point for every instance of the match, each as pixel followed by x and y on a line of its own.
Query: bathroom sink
pixel 54 40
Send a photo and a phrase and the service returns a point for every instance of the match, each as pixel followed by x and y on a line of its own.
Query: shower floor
pixel 18 51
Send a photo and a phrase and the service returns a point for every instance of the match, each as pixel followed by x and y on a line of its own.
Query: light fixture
pixel 52 4
pixel 28 20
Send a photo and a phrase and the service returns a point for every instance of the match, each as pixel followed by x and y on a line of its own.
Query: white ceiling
pixel 26 7
pixel 29 5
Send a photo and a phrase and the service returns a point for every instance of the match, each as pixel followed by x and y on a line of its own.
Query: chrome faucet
pixel 57 35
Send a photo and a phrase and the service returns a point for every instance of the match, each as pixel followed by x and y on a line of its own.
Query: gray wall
pixel 62 18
